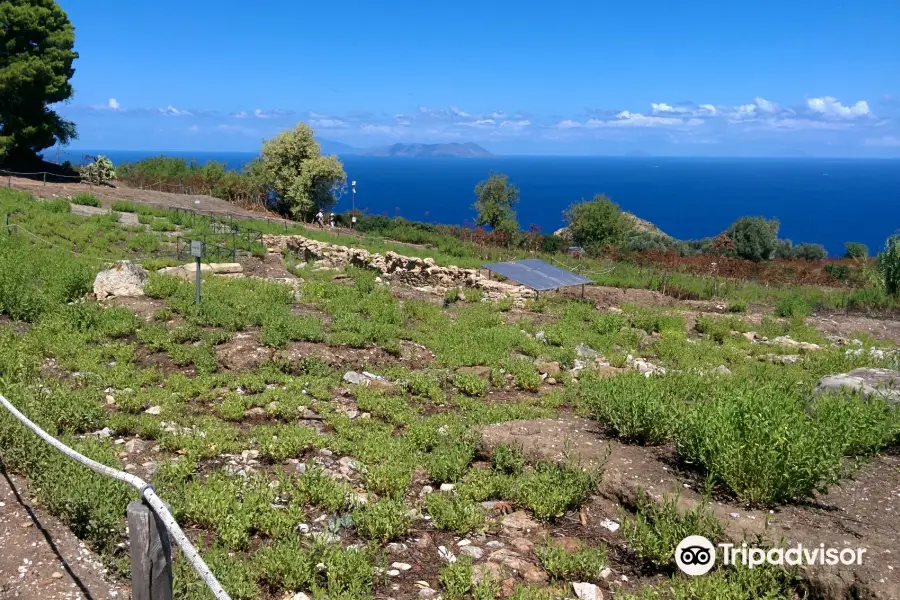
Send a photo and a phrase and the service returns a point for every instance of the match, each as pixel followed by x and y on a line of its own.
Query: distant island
pixel 454 150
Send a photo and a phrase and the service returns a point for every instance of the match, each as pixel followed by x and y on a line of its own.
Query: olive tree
pixel 495 201
pixel 754 238
pixel 292 166
pixel 37 43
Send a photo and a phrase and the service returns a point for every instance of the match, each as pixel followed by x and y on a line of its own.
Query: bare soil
pixel 40 557
pixel 859 513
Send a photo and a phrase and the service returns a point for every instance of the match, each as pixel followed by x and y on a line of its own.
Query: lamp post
pixel 353 203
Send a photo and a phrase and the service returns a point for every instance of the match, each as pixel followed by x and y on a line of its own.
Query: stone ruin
pixel 420 273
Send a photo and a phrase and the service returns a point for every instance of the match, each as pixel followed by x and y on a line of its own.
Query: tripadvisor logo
pixel 696 555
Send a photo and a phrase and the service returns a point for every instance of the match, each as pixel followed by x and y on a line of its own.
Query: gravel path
pixel 41 558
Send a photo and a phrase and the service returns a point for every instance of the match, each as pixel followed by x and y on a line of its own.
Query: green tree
pixel 36 55
pixel 595 224
pixel 292 166
pixel 495 199
pixel 809 252
pixel 755 238
pixel 856 250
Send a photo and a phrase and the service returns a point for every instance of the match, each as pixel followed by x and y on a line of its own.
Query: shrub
pixel 754 437
pixel 737 306
pixel 597 223
pixel 792 307
pixel 452 512
pixel 550 490
pixel 655 529
pixel 85 199
pixel 809 251
pixel 124 206
pixel 856 250
pixel 583 564
pixel 755 238
pixel 889 265
pixel 636 408
pixel 382 521
pixel 99 172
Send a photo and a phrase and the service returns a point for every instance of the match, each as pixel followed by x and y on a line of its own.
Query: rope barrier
pixel 146 492
pixel 5 172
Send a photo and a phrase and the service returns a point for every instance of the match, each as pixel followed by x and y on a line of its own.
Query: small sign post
pixel 197 253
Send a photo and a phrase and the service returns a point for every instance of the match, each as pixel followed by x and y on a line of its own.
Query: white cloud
pixel 376 129
pixel 764 105
pixel 480 123
pixel 707 110
pixel 828 106
pixel 328 123
pixel 662 107
pixel 498 114
pixel 458 112
pixel 568 124
pixel 515 124
pixel 171 111
pixel 113 104
pixel 240 115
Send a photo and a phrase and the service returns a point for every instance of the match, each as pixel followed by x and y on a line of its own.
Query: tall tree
pixel 36 55
pixel 596 224
pixel 292 166
pixel 495 201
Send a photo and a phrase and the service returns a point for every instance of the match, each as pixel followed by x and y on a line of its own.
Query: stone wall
pixel 420 273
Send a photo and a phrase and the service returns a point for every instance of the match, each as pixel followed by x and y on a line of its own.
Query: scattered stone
pixel 523 545
pixel 463 542
pixel 103 433
pixel 865 381
pixel 551 381
pixel 427 489
pixel 519 520
pixel 401 566
pixel 355 378
pixel 587 591
pixel 427 593
pixel 447 487
pixel 644 367
pixel 722 370
pixel 393 573
pixel 474 551
pixel 299 596
pixel 255 412
pixel 396 548
pixel 605 573
pixel 154 410
pixel 547 368
pixel 56 575
pixel 447 555
pixel 785 359
pixel 124 279
pixel 609 524
pixel 751 336
pixel 789 342
pixel 583 351
pixel 488 570
pixel 132 446
pixel 483 372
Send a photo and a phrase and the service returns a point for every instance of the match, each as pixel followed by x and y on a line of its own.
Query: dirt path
pixel 41 558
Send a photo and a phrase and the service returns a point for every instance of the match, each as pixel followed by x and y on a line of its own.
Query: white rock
pixel 473 551
pixel 447 487
pixel 446 554
pixel 609 524
pixel 401 566
pixel 299 596
pixel 124 279
pixel 154 410
pixel 587 591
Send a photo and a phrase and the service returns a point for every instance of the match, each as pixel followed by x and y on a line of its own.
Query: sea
pixel 824 201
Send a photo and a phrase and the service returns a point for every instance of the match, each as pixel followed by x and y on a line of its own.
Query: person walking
pixel 320 219
pixel 332 220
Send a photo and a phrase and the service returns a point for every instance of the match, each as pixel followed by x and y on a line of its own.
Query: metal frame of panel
pixel 537 274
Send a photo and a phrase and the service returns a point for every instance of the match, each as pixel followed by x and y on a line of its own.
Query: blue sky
pixel 794 77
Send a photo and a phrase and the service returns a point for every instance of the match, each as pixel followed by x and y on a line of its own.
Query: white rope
pixel 146 492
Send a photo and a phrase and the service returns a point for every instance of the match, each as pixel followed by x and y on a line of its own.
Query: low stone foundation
pixel 421 273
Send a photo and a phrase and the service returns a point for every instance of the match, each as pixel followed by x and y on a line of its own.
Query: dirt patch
pixel 142 306
pixel 848 326
pixel 41 556
pixel 270 266
pixel 18 327
pixel 355 359
pixel 860 513
pixel 243 353
pixel 605 297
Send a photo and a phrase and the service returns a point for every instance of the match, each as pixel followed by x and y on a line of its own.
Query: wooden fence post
pixel 151 554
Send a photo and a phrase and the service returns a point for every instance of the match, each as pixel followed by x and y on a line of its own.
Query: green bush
pixel 126 207
pixel 754 238
pixel 452 512
pixel 583 564
pixel 889 265
pixel 86 199
pixel 597 223
pixel 809 252
pixel 100 171
pixel 656 528
pixel 792 307
pixel 856 250
pixel 382 521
